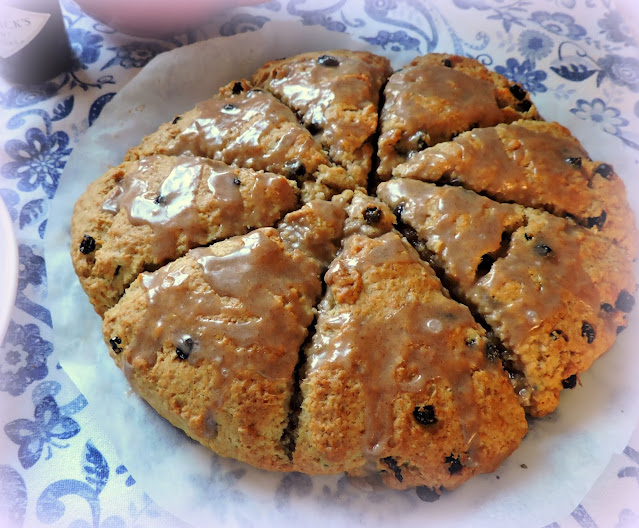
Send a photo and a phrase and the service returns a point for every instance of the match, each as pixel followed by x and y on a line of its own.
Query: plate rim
pixel 9 265
pixel 183 50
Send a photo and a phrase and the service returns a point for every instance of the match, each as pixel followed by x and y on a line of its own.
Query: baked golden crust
pixel 390 347
pixel 438 96
pixel 536 164
pixel 211 340
pixel 145 213
pixel 248 127
pixel 216 410
pixel 336 95
pixel 549 289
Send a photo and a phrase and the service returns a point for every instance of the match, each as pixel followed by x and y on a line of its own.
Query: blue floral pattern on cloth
pixel 607 118
pixel 623 71
pixel 50 425
pixel 616 28
pixel 86 46
pixel 31 279
pixel 38 161
pixel 95 469
pixel 633 470
pixel 56 467
pixel 134 54
pixel 561 24
pixel 534 45
pixel 395 41
pixel 23 358
pixel 320 17
pixel 13 496
pixel 525 74
pixel 11 199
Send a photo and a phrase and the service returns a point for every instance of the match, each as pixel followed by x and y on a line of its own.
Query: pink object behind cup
pixel 150 18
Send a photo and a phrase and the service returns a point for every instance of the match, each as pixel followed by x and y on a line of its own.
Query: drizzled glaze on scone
pixel 316 228
pixel 259 269
pixel 243 308
pixel 219 123
pixel 359 343
pixel 535 279
pixel 146 212
pixel 475 98
pixel 438 96
pixel 214 337
pixel 336 95
pixel 248 127
pixel 388 344
pixel 367 216
pixel 465 234
pixel 171 211
pixel 535 164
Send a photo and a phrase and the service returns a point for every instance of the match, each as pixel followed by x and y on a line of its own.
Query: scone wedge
pixel 144 213
pixel 335 94
pixel 438 96
pixel 398 379
pixel 536 164
pixel 248 127
pixel 212 339
pixel 551 292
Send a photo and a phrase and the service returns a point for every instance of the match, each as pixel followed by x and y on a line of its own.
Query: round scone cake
pixel 333 267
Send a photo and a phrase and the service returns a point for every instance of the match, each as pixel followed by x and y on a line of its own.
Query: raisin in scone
pixel 145 213
pixel 336 95
pixel 438 96
pixel 552 292
pixel 211 340
pixel 396 377
pixel 536 164
pixel 249 127
pixel 367 216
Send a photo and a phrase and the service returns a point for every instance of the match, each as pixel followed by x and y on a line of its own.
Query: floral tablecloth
pixel 57 468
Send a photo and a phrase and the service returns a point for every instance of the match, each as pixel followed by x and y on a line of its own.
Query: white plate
pixel 563 453
pixel 8 268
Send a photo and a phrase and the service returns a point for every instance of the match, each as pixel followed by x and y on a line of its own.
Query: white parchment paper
pixel 563 454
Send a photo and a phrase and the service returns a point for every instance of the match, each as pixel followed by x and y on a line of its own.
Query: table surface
pixel 57 468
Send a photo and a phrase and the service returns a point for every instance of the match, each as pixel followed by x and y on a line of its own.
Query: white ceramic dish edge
pixel 8 269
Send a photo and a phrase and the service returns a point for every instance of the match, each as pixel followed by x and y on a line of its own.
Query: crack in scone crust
pixel 337 267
